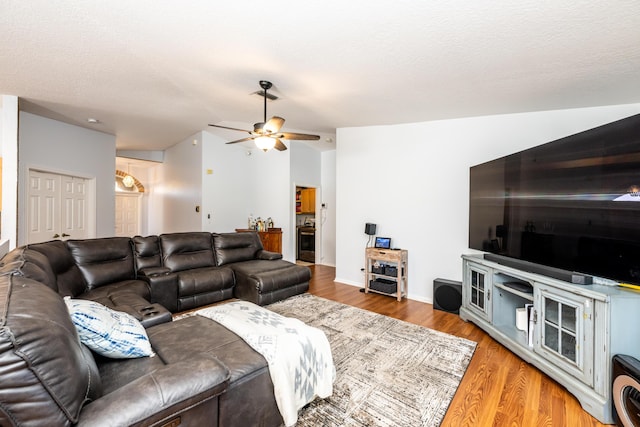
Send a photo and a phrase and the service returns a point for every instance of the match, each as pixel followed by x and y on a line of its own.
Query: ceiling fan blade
pixel 274 124
pixel 241 140
pixel 225 127
pixel 299 136
pixel 280 145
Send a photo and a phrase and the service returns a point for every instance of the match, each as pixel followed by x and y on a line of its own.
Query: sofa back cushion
pixel 103 261
pixel 236 247
pixel 68 278
pixel 184 251
pixel 46 376
pixel 31 264
pixel 146 252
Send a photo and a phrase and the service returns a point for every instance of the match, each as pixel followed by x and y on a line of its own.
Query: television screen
pixel 572 204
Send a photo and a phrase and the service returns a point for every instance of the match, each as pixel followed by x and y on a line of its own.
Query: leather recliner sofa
pixel 202 374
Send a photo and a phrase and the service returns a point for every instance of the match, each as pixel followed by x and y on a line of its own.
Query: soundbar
pixel 556 273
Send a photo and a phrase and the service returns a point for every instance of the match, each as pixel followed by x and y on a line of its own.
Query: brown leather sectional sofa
pixel 202 374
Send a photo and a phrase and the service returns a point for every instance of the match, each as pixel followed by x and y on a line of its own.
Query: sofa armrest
pixel 164 290
pixel 153 271
pixel 171 391
pixel 262 254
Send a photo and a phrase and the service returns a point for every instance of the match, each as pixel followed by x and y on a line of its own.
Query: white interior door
pixel 44 216
pixel 127 215
pixel 73 212
pixel 57 207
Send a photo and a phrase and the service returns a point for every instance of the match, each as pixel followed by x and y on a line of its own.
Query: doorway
pixel 128 214
pixel 306 230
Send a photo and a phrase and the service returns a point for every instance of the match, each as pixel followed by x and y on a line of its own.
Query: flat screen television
pixel 572 204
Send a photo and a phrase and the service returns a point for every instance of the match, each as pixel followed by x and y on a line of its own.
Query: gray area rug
pixel 388 372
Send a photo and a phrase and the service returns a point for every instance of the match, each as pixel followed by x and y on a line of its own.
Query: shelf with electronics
pixel 386 272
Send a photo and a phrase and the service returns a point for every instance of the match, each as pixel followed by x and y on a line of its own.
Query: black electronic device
pixel 383 242
pixel 626 390
pixel 570 206
pixel 447 295
pixel 370 229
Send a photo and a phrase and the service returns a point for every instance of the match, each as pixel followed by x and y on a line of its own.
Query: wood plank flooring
pixel 498 389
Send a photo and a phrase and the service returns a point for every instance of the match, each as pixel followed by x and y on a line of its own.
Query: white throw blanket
pixel 299 356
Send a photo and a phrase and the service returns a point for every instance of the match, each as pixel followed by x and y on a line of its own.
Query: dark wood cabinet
pixel 271 239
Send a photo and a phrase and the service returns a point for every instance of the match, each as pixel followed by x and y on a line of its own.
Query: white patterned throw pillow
pixel 108 332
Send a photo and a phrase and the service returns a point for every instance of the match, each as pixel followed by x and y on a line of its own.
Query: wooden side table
pixel 395 269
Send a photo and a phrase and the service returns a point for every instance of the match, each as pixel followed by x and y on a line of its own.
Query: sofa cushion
pixel 264 282
pixel 103 261
pixel 68 277
pixel 184 251
pixel 146 252
pixel 249 400
pixel 108 332
pixel 46 375
pixel 236 247
pixel 30 264
pixel 202 286
pixel 118 293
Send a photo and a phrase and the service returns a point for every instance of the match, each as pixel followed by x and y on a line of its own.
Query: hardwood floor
pixel 498 389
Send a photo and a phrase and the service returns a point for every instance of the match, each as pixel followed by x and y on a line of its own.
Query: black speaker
pixel 447 295
pixel 626 390
pixel 370 229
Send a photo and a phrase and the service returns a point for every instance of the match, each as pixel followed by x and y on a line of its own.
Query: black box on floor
pixel 383 285
pixel 447 295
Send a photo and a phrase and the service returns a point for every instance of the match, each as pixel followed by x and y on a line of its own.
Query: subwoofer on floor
pixel 626 390
pixel 447 295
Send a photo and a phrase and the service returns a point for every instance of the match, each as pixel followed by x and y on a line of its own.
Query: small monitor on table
pixel 383 242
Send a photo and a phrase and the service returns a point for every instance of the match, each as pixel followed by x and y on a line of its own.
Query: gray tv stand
pixel 571 332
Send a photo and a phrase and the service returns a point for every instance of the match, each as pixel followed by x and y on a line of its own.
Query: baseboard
pixel 360 285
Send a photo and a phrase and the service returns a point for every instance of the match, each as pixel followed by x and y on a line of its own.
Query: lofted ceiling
pixel 154 72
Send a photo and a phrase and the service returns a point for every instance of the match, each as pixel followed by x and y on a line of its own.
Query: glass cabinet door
pixel 478 290
pixel 565 330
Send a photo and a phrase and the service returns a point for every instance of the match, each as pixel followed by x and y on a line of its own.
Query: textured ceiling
pixel 155 71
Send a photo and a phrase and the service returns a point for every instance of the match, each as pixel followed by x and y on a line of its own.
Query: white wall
pixel 59 147
pixel 153 222
pixel 412 180
pixel 328 213
pixel 9 150
pixel 181 188
pixel 225 192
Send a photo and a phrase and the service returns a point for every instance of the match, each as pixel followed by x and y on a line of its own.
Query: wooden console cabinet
pixel 571 333
pixel 393 259
pixel 271 239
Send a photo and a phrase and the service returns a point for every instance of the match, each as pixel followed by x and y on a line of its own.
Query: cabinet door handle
pixel 55 236
pixel 66 235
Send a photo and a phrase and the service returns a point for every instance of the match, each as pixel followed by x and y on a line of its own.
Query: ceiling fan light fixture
pixel 265 143
pixel 266 134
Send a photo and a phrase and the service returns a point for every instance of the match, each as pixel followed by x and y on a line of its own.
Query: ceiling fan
pixel 266 134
